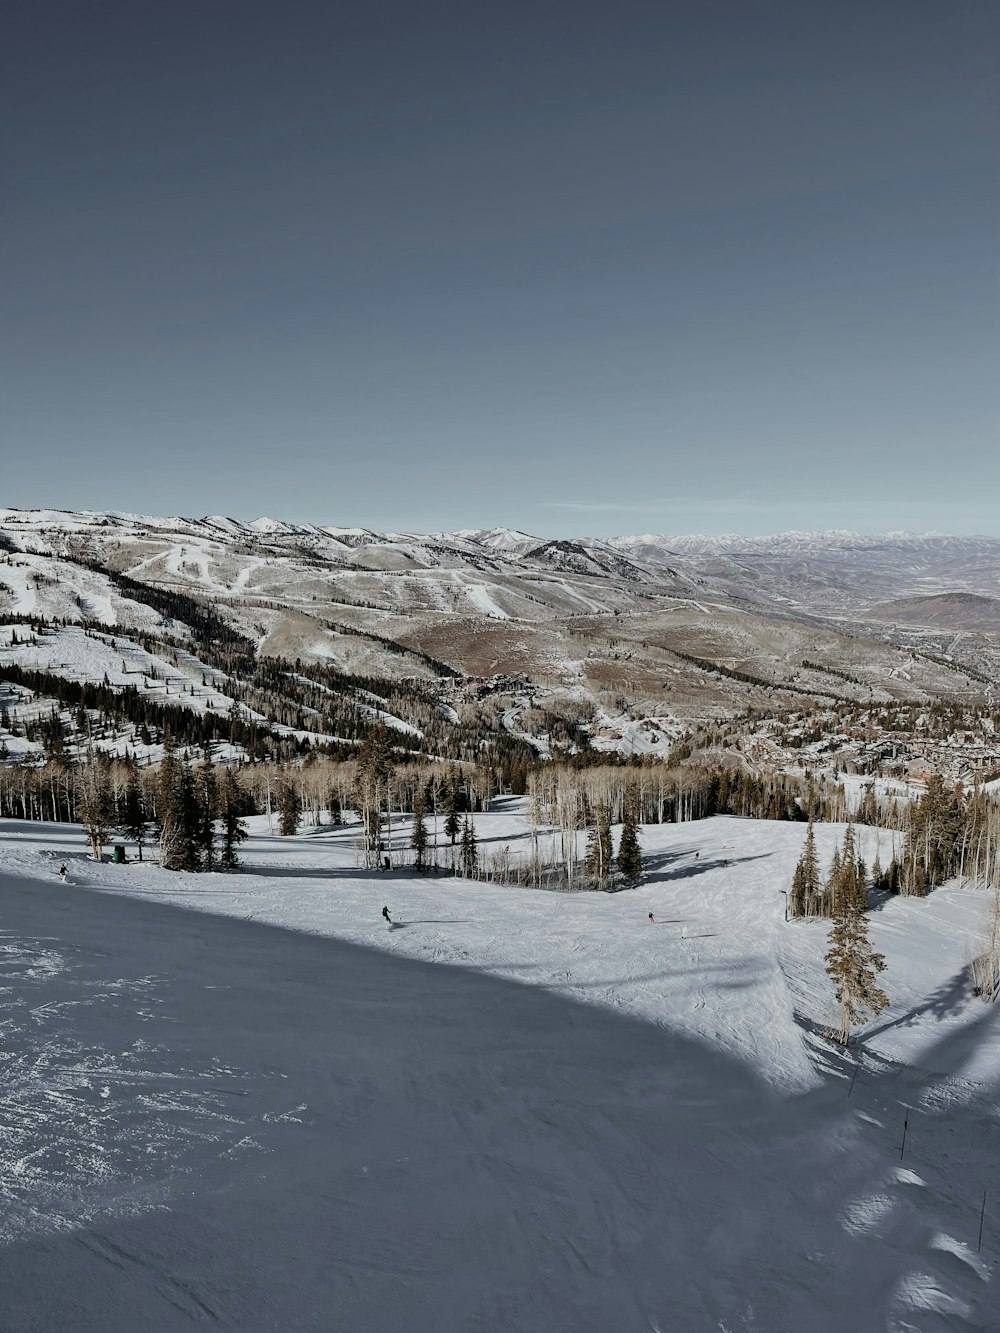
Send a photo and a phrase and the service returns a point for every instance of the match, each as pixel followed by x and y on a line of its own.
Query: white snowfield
pixel 241 1100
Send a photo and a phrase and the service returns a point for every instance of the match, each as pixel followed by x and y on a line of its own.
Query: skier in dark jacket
pixel 385 913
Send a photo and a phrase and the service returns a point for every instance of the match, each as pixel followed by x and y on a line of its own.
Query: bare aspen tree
pixel 984 964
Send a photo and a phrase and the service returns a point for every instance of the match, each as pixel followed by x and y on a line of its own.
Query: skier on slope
pixel 652 919
pixel 385 913
pixel 63 872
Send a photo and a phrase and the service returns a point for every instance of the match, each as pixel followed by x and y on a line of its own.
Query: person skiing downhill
pixel 63 872
pixel 652 920
pixel 385 913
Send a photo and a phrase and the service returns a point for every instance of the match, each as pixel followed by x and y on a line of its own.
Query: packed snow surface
pixel 243 1100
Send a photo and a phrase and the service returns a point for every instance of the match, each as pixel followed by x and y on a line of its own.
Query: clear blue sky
pixel 706 266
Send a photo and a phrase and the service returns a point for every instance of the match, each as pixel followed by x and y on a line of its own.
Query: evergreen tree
pixel 178 813
pixel 208 799
pixel 470 849
pixel 629 851
pixel 806 884
pixel 868 807
pixel 934 838
pixel 190 820
pixel 851 879
pixel 452 823
pixel 134 820
pixel 288 810
pixel 854 967
pixel 797 893
pixel 418 835
pixel 232 801
pixel 831 889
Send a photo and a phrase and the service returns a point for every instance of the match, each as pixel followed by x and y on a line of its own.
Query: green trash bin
pixel 119 856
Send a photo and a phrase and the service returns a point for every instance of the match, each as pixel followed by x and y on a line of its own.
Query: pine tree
pixel 934 837
pixel 629 851
pixel 134 821
pixel 804 897
pixel 288 810
pixel 178 813
pixel 189 818
pixel 232 800
pixel 851 879
pixel 797 893
pixel 452 823
pixel 208 798
pixel 854 967
pixel 418 835
pixel 868 807
pixel 831 889
pixel 891 877
pixel 470 849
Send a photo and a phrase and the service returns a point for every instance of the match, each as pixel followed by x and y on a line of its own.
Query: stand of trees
pixel 812 895
pixel 194 813
pixel 199 815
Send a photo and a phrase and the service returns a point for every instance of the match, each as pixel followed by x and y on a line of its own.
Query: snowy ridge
pixel 496 600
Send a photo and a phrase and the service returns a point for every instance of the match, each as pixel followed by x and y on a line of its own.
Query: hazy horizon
pixel 583 532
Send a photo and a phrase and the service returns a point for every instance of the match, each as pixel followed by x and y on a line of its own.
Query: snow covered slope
pixel 514 1110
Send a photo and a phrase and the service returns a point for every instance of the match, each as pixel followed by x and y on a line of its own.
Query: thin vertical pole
pixel 853 1077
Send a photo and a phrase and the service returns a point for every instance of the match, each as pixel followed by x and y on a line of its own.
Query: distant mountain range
pixel 685 626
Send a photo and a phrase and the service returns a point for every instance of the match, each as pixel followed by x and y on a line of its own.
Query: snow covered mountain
pixel 816 571
pixel 668 628
pixel 834 572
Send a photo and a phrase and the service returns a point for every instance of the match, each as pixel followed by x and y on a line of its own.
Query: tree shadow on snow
pixel 566 1164
pixel 944 1001
pixel 655 871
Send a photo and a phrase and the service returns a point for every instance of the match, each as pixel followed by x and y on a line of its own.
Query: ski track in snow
pixel 649 1130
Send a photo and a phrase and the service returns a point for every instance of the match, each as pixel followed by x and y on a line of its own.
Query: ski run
pixel 244 1101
